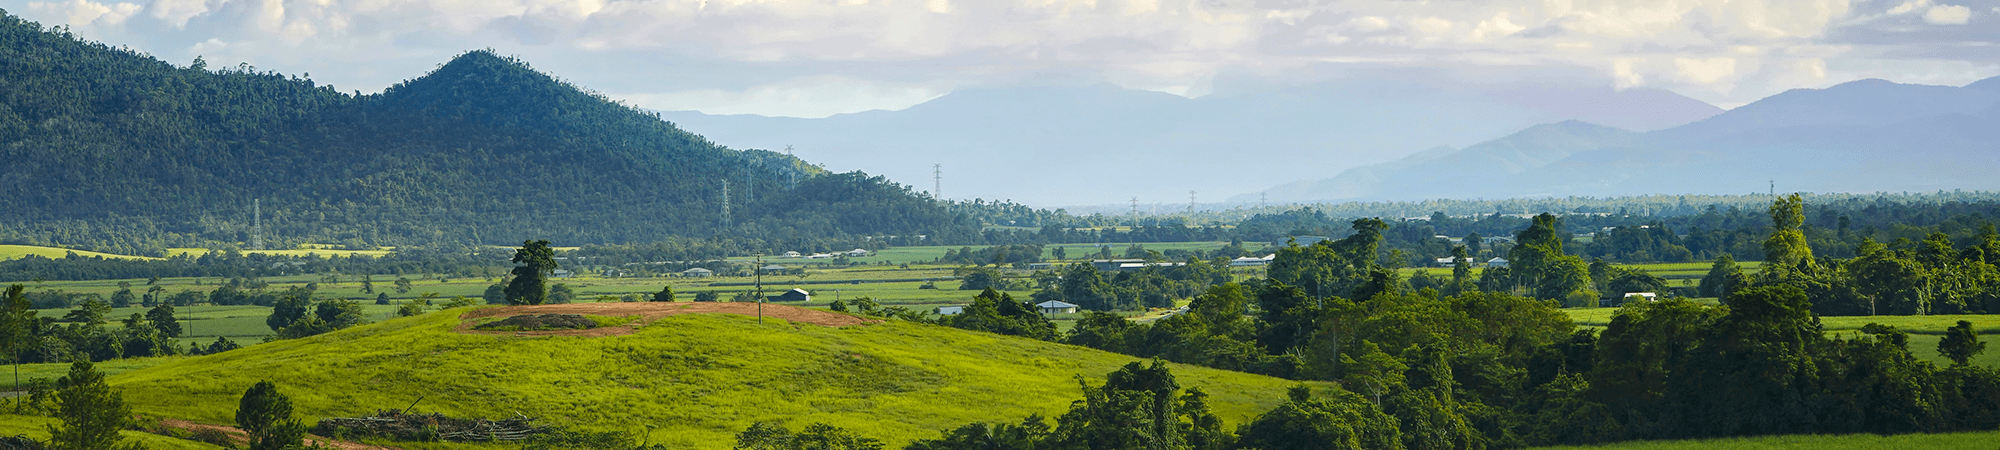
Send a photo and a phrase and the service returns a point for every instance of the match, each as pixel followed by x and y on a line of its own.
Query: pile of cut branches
pixel 540 322
pixel 394 424
pixel 19 442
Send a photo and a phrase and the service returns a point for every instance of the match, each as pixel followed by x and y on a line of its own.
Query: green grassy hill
pixel 698 378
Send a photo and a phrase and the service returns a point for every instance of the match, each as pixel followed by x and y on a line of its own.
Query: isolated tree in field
pixel 530 285
pixel 286 310
pixel 495 295
pixel 16 316
pixel 91 413
pixel 403 285
pixel 266 415
pixel 561 294
pixel 1960 344
pixel 666 294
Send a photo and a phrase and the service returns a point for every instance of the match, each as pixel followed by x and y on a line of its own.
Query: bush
pixel 539 322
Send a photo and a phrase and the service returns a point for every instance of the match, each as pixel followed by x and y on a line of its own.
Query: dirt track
pixel 650 311
pixel 243 438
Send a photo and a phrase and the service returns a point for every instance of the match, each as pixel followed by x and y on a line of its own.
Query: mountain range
pixel 1862 136
pixel 1105 144
pixel 103 144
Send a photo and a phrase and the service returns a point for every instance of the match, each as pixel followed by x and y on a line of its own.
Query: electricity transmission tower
pixel 725 203
pixel 937 181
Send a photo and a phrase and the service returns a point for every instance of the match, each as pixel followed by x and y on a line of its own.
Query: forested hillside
pixel 109 149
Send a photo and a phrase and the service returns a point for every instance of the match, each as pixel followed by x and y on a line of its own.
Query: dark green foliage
pixel 818 436
pixel 266 415
pixel 1960 343
pixel 666 294
pixel 995 437
pixel 561 294
pixel 162 318
pixel 995 312
pixel 529 287
pixel 91 413
pixel 1345 421
pixel 1723 278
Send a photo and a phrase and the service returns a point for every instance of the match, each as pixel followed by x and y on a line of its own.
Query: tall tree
pixel 266 415
pixel 1786 248
pixel 530 286
pixel 91 413
pixel 666 294
pixel 16 322
pixel 1960 343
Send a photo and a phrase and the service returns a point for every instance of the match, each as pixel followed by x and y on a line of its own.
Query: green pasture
pixel 310 249
pixel 36 427
pixel 698 378
pixel 8 252
pixel 1982 440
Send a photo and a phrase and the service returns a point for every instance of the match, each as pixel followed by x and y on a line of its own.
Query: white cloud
pixel 746 55
pixel 85 12
pixel 810 97
pixel 1948 15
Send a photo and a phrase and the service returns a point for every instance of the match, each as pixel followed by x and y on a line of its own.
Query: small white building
pixel 1057 307
pixel 697 273
pixel 1496 263
pixel 1249 261
pixel 562 273
pixel 950 310
pixel 857 253
pixel 791 254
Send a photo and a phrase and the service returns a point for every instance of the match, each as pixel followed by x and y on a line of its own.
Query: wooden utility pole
pixel 760 288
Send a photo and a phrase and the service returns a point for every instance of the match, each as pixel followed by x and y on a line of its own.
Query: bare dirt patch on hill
pixel 649 312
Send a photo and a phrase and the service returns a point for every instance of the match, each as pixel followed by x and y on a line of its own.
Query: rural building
pixel 1627 298
pixel 1447 262
pixel 1308 240
pixel 791 254
pixel 1040 266
pixel 820 256
pixel 1496 263
pixel 1112 264
pixel 774 268
pixel 1057 307
pixel 697 273
pixel 857 253
pixel 794 295
pixel 562 273
pixel 950 310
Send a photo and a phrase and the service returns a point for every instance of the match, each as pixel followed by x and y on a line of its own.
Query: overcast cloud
pixel 820 57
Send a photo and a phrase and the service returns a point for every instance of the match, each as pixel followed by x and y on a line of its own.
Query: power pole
pixel 937 181
pixel 760 288
pixel 1135 206
pixel 1774 188
pixel 1190 202
pixel 725 203
pixel 1261 196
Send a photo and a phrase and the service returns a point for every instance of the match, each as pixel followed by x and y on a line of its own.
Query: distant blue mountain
pixel 1862 136
pixel 1105 144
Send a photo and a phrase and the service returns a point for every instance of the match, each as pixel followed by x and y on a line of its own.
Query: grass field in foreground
pixel 1984 440
pixel 8 252
pixel 699 378
pixel 37 429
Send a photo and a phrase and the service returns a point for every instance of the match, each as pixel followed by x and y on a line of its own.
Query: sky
pixel 822 57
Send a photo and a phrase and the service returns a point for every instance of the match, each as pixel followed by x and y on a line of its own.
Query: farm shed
pixel 1496 263
pixel 950 310
pixel 1057 307
pixel 697 273
pixel 794 295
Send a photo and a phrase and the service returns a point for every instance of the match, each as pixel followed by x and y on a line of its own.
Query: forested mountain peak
pixel 114 150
